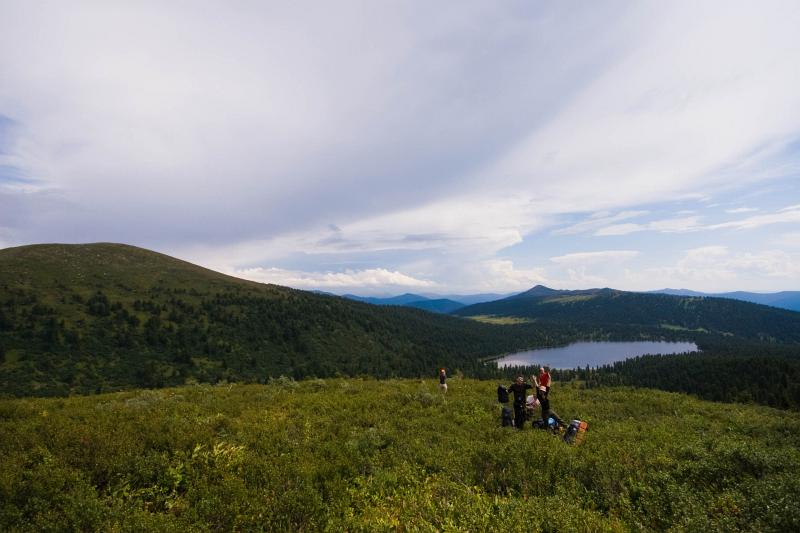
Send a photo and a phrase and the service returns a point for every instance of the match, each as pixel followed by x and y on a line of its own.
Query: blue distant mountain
pixel 431 302
pixel 440 305
pixel 403 299
pixel 449 303
pixel 785 299
pixel 469 299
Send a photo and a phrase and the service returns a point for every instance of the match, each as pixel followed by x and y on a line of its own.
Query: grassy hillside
pixel 118 269
pixel 366 455
pixel 100 317
pixel 784 299
pixel 607 308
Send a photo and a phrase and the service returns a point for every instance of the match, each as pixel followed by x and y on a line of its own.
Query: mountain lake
pixel 592 353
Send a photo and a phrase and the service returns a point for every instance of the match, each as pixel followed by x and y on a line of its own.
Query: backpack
pixel 576 432
pixel 506 417
pixel 502 394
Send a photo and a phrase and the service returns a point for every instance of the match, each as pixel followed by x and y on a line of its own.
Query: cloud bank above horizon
pixel 379 147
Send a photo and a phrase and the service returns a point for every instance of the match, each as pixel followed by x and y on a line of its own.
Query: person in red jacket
pixel 544 379
pixel 544 402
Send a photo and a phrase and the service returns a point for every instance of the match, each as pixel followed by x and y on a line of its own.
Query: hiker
pixel 443 380
pixel 544 402
pixel 518 388
pixel 544 379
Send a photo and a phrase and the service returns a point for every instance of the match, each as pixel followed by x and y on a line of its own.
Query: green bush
pixel 367 455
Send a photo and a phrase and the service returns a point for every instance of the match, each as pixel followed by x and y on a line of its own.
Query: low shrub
pixel 365 455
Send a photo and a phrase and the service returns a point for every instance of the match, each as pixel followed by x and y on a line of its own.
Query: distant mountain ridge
pixel 540 291
pixel 402 299
pixel 418 300
pixel 451 304
pixel 433 303
pixel 470 299
pixel 442 305
pixel 608 308
pixel 784 299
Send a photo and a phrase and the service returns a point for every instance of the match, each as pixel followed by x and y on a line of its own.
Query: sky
pixel 382 147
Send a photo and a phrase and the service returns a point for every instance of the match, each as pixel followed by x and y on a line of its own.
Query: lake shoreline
pixel 580 354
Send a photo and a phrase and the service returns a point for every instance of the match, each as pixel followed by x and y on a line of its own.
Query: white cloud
pixel 620 229
pixel 599 220
pixel 590 269
pixel 784 216
pixel 502 276
pixel 468 228
pixel 360 279
pixel 675 225
pixel 607 256
pixel 787 240
pixel 769 263
pixel 741 210
pixel 705 255
pixel 269 120
pixel 649 130
pixel 496 275
pixel 712 268
pixel 693 223
pixel 669 225
pixel 581 277
pixel 716 268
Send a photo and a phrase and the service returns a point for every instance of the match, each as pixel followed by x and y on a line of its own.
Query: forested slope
pixel 607 308
pixel 88 318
